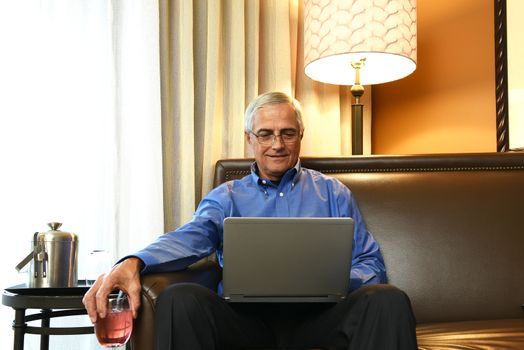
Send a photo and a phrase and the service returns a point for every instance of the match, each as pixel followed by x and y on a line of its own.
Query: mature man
pixel 373 316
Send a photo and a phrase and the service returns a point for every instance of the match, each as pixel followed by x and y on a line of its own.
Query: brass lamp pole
pixel 357 111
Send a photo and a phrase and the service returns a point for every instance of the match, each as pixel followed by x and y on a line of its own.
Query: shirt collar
pixel 293 174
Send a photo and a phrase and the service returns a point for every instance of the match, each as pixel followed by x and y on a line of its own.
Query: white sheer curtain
pixel 80 133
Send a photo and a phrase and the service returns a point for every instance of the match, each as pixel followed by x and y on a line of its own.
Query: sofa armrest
pixel 205 272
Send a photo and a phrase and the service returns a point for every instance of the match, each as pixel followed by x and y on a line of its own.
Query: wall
pixel 515 47
pixel 448 104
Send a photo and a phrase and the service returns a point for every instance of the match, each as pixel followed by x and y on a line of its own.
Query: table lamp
pixel 359 42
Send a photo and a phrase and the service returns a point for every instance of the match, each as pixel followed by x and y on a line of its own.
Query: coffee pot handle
pixel 24 262
pixel 29 256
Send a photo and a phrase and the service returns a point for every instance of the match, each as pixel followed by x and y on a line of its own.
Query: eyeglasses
pixel 288 136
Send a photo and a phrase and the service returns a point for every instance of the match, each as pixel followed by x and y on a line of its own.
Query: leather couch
pixel 451 229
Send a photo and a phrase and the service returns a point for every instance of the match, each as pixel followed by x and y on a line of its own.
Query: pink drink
pixel 115 329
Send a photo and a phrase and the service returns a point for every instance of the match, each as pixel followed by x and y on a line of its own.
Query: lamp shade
pixel 340 32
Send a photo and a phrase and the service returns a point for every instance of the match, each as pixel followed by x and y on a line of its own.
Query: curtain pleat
pixel 177 85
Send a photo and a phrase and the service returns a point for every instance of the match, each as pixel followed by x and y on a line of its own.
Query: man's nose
pixel 277 142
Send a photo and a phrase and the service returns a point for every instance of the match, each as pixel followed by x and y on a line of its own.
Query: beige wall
pixel 448 104
pixel 515 47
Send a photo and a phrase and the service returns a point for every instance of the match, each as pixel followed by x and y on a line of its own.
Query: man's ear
pixel 302 134
pixel 247 138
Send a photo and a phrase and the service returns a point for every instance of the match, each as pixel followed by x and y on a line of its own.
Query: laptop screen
pixel 287 259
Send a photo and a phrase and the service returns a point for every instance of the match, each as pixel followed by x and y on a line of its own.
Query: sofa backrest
pixel 450 227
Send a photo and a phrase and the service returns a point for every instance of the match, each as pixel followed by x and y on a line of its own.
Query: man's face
pixel 275 158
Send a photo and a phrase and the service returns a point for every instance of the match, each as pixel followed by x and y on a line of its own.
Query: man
pixel 373 316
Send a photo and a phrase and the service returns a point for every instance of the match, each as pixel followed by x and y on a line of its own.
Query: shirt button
pixel 281 194
pixel 264 182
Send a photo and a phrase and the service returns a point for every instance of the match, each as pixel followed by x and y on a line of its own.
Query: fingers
pixel 133 295
pixel 124 276
pixel 103 290
pixel 89 300
pixel 132 287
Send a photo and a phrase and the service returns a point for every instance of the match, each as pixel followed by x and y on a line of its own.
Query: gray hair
pixel 271 98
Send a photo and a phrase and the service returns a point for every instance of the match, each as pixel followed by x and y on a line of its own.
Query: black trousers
pixel 192 317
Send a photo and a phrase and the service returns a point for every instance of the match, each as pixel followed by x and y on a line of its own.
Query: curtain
pixel 216 56
pixel 80 134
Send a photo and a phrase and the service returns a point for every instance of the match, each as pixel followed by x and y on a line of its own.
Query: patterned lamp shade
pixel 339 32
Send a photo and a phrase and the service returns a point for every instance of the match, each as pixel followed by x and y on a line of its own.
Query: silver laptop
pixel 287 259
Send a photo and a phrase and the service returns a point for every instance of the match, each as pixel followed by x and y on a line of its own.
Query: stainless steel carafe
pixel 54 259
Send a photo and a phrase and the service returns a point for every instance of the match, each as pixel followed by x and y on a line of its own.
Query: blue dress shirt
pixel 300 193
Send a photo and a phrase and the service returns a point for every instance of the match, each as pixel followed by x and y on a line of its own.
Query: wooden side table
pixel 52 302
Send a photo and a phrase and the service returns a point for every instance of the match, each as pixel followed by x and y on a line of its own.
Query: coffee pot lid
pixel 54 234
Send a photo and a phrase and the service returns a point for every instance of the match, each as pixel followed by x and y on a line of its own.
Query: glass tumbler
pixel 115 329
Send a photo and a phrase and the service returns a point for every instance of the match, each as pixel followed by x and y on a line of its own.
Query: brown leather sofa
pixel 451 229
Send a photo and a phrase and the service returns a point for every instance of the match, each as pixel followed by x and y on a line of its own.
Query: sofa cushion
pixel 506 334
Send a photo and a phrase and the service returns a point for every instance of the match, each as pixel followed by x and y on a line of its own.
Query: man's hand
pixel 124 276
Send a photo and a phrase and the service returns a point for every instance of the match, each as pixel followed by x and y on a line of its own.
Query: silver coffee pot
pixel 54 259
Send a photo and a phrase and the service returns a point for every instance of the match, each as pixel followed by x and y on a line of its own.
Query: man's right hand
pixel 124 276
